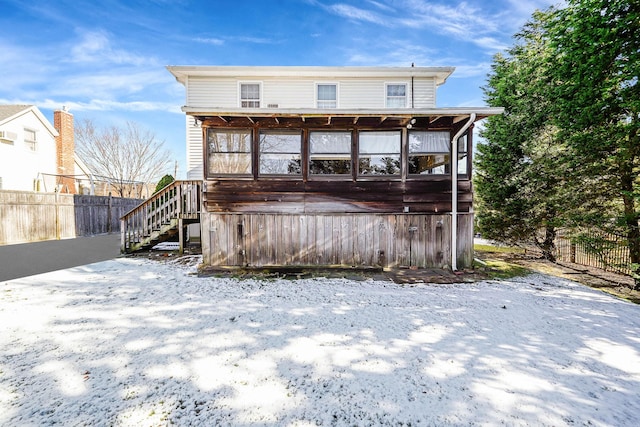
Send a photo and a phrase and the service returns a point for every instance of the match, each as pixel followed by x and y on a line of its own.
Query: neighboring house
pixel 27 148
pixel 38 156
pixel 351 166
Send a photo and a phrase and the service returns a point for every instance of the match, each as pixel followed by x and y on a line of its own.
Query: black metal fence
pixel 595 249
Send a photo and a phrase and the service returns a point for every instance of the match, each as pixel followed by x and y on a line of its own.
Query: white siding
pixel 195 161
pixel 19 165
pixel 362 93
pixel 212 92
pixel 424 93
pixel 291 94
pixel 300 92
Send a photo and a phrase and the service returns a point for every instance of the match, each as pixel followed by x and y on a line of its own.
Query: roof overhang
pixel 183 72
pixel 402 117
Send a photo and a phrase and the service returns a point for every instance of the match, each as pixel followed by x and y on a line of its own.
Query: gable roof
pixel 9 112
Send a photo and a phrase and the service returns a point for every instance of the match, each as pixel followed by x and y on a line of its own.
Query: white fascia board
pixel 183 72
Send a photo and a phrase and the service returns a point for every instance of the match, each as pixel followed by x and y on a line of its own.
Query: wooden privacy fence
pixel 610 254
pixel 32 216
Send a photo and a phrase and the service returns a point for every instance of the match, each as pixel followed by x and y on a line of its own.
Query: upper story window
pixel 330 153
pixel 229 151
pixel 429 153
pixel 280 152
pixel 327 95
pixel 250 95
pixel 31 138
pixel 396 95
pixel 379 153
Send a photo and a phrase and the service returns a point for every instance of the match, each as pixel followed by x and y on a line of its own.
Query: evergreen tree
pixel 597 109
pixel 164 181
pixel 520 173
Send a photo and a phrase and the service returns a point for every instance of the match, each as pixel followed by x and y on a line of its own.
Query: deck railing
pixel 164 210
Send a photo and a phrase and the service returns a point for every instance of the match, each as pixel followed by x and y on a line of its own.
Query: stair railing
pixel 178 200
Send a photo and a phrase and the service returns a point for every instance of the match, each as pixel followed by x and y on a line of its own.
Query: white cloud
pixel 95 47
pixel 351 12
pixel 209 40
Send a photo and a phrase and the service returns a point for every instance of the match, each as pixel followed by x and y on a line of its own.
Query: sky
pixel 105 60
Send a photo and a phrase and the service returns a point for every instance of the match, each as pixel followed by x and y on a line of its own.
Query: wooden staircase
pixel 161 217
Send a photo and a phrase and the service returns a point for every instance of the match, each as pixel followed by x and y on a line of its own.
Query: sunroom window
pixel 462 155
pixel 379 153
pixel 280 152
pixel 396 95
pixel 327 95
pixel 229 151
pixel 429 153
pixel 250 95
pixel 329 153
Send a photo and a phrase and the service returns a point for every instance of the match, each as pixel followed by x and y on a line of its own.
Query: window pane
pixel 429 142
pixel 326 92
pixel 280 153
pixel 462 164
pixel 379 153
pixel 396 96
pixel 250 91
pixel 330 153
pixel 327 96
pixel 229 151
pixel 462 144
pixel 429 164
pixel 396 90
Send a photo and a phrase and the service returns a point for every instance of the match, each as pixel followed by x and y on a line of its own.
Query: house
pixel 349 166
pixel 35 155
pixel 27 148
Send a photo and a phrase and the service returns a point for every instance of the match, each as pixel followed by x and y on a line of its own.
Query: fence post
pixel 572 252
pixel 57 215
pixel 109 207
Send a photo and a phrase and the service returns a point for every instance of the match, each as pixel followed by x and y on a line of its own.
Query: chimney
pixel 65 150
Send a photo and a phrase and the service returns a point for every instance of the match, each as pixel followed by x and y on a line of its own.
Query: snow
pixel 134 342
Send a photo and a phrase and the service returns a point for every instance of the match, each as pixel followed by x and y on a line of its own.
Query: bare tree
pixel 129 158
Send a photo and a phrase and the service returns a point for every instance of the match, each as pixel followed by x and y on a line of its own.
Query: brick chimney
pixel 65 150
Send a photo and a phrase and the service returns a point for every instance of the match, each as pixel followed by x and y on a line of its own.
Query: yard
pixel 134 342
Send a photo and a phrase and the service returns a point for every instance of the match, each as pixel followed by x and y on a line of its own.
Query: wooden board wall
pixel 296 196
pixel 27 216
pixel 385 240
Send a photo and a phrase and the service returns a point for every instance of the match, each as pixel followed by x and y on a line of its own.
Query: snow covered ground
pixel 133 342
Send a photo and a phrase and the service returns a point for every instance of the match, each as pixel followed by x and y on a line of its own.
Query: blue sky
pixel 105 60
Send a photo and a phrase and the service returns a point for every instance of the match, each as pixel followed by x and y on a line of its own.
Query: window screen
pixel 379 153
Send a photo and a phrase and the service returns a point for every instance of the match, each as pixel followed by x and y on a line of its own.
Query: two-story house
pixel 27 148
pixel 349 166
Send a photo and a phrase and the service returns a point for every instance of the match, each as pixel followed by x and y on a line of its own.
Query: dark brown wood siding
pixel 297 196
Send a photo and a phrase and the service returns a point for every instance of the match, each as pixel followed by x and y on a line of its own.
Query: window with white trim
pixel 31 138
pixel 250 95
pixel 379 153
pixel 280 152
pixel 396 95
pixel 429 153
pixel 327 95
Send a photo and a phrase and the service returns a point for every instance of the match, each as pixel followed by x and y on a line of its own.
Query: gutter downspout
pixel 454 191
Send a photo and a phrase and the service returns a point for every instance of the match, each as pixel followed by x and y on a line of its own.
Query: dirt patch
pixel 612 283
